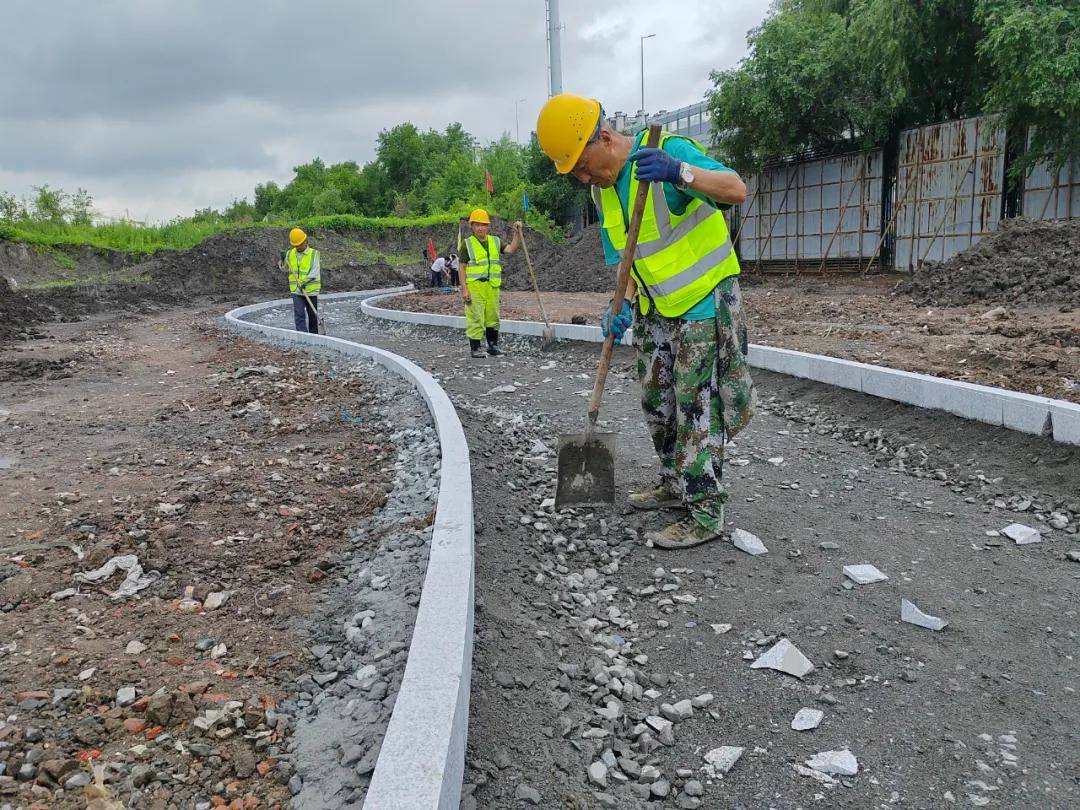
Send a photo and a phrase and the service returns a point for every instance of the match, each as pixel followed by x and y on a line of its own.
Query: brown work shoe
pixel 687 533
pixel 663 497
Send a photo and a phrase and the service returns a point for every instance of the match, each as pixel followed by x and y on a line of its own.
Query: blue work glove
pixel 619 324
pixel 656 166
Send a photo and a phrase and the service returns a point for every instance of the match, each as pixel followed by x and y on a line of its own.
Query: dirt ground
pixel 1031 348
pixel 224 467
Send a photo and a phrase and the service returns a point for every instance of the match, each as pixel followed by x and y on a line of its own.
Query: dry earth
pixel 1033 348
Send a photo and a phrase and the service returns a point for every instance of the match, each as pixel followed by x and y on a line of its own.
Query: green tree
pixel 48 204
pixel 821 71
pixel 1032 48
pixel 78 209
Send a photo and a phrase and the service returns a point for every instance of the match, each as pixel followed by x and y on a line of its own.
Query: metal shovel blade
pixel 586 474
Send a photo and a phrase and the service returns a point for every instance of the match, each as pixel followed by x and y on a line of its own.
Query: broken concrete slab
pixel 864 574
pixel 750 543
pixel 720 760
pixel 912 615
pixel 1022 535
pixel 785 657
pixel 807 719
pixel 834 763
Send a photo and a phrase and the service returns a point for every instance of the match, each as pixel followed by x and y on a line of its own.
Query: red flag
pixel 487 182
pixel 431 249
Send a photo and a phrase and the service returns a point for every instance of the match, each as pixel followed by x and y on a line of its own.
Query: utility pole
pixel 554 48
pixel 647 36
pixel 517 126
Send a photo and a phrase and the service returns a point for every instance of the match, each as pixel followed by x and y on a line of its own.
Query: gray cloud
pixel 165 106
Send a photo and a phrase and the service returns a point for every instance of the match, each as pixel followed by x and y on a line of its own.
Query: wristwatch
pixel 686 175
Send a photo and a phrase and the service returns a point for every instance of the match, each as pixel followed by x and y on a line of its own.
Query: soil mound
pixel 1024 262
pixel 17 313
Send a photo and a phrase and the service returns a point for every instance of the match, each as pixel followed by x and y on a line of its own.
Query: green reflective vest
pixel 679 259
pixel 299 267
pixel 484 264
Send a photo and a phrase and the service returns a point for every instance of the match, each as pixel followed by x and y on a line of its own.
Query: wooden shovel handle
pixel 535 286
pixel 622 281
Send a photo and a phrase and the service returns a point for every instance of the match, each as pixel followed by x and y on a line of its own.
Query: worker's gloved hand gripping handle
pixel 621 283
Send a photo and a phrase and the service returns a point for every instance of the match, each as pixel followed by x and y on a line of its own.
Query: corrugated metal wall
pixel 948 187
pixel 948 192
pixel 799 213
pixel 1053 196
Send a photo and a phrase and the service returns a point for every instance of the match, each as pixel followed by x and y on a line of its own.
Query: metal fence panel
pixel 793 211
pixel 1052 195
pixel 949 183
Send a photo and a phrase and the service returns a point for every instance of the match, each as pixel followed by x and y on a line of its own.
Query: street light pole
pixel 647 36
pixel 517 126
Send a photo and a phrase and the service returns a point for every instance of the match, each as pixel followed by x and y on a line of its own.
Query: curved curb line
pixel 1026 413
pixel 422 761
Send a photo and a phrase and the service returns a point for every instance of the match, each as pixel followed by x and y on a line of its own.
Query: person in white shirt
pixel 438 267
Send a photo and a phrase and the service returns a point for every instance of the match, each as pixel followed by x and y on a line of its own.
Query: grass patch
pixel 187 233
pixel 85 281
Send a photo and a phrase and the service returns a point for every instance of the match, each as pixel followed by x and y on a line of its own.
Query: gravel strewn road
pixel 590 644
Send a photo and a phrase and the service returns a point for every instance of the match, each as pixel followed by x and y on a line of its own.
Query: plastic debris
pixel 135 581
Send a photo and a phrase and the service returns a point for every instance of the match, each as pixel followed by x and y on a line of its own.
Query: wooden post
pixel 843 210
pixel 749 205
pixel 948 210
pixel 912 182
pixel 772 225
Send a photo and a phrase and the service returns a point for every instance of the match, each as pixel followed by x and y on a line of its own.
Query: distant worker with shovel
pixel 481 267
pixel 689 328
pixel 305 281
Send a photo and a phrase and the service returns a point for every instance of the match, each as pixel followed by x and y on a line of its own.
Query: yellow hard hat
pixel 565 126
pixel 297 237
pixel 480 215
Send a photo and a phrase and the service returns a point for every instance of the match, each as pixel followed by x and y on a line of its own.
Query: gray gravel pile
pixel 361 629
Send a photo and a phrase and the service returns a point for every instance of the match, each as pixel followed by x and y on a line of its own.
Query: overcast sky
pixel 159 107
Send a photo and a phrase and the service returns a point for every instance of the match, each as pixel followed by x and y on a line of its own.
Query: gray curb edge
pixel 1026 413
pixel 422 761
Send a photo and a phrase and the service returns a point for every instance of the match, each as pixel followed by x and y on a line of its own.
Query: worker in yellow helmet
pixel 689 328
pixel 305 281
pixel 481 267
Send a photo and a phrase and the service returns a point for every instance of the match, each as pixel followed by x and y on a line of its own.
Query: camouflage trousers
pixel 696 393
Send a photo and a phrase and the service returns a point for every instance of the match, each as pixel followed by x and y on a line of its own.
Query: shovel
pixel 586 471
pixel 549 333
pixel 315 311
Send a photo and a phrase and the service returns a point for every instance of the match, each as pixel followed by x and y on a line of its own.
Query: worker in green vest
pixel 481 267
pixel 305 281
pixel 689 328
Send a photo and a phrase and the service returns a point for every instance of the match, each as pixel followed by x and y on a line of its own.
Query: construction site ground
pixel 1033 348
pixel 982 713
pixel 224 466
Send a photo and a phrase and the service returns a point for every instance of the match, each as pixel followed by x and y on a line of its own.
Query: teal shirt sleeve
pixel 687 151
pixel 611 256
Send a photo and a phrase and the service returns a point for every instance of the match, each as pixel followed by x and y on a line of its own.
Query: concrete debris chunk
pixel 134 582
pixel 598 774
pixel 1022 535
pixel 785 657
pixel 216 599
pixel 834 763
pixel 824 778
pixel 721 628
pixel 750 543
pixel 807 719
pixel 912 615
pixel 135 648
pixel 721 760
pixel 864 574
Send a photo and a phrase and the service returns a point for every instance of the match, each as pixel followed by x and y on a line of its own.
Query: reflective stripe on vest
pixel 489 268
pixel 678 259
pixel 299 267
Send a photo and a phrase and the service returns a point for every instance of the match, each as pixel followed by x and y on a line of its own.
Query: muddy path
pixel 584 634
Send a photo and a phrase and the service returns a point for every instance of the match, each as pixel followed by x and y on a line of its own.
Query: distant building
pixel 692 121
